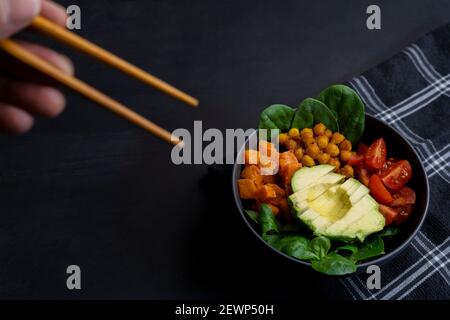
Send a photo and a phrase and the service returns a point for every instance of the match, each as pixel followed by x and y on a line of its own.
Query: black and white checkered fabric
pixel 411 92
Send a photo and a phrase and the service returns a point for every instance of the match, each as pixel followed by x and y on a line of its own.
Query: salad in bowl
pixel 337 193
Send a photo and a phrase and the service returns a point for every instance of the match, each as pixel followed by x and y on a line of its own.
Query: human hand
pixel 22 96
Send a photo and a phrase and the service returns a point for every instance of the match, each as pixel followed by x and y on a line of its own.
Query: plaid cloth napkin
pixel 411 92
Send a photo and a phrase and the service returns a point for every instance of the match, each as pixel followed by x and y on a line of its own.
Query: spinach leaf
pixel 267 221
pixel 372 247
pixel 388 232
pixel 312 111
pixel 353 248
pixel 347 105
pixel 320 246
pixel 252 215
pixel 295 246
pixel 334 264
pixel 277 116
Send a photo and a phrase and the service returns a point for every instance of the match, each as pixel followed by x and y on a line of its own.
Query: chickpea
pixel 345 155
pixel 294 133
pixel 307 161
pixel 347 171
pixel 283 138
pixel 328 133
pixel 313 150
pixel 345 145
pixel 323 158
pixel 308 141
pixel 322 141
pixel 319 129
pixel 292 144
pixel 335 162
pixel 337 138
pixel 306 133
pixel 332 149
pixel 299 154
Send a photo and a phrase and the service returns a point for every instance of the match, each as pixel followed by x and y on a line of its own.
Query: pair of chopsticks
pixel 59 33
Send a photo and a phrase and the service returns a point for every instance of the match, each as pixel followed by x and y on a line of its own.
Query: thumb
pixel 17 14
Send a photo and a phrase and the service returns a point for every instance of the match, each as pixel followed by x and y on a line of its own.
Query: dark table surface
pixel 90 189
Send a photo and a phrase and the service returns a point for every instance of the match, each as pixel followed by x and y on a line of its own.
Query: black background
pixel 90 189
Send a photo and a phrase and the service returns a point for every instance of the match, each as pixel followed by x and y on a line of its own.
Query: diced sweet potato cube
pixel 250 172
pixel 280 193
pixel 247 188
pixel 270 179
pixel 287 158
pixel 289 172
pixel 267 148
pixel 265 193
pixel 251 157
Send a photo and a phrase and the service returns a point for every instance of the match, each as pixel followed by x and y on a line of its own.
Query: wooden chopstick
pixel 77 42
pixel 86 90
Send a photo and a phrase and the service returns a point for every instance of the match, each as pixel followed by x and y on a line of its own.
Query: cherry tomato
pixel 389 163
pixel 403 213
pixel 362 148
pixel 389 214
pixel 403 197
pixel 379 191
pixel 397 175
pixel 363 175
pixel 375 156
pixel 355 159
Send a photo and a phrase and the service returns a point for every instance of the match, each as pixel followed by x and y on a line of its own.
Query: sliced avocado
pixel 369 223
pixel 334 208
pixel 349 184
pixel 352 215
pixel 359 193
pixel 305 177
pixel 314 190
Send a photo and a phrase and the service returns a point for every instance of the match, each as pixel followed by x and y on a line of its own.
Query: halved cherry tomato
pixel 355 159
pixel 389 214
pixel 379 191
pixel 403 213
pixel 389 163
pixel 403 197
pixel 363 175
pixel 362 148
pixel 375 156
pixel 397 175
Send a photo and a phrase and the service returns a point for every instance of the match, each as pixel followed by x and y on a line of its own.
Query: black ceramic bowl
pixel 397 147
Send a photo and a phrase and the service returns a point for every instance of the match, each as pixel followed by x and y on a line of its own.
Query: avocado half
pixel 332 206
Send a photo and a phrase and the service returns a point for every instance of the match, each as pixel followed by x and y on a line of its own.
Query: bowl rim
pixel 379 260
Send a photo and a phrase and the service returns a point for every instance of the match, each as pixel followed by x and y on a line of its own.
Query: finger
pixel 60 61
pixel 17 14
pixel 14 120
pixel 20 71
pixel 34 98
pixel 54 12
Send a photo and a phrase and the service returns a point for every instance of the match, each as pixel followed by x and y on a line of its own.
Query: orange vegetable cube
pixel 265 193
pixel 247 188
pixel 251 157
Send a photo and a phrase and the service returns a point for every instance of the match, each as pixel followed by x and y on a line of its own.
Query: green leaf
pixel 353 248
pixel 388 232
pixel 267 221
pixel 252 215
pixel 372 247
pixel 293 245
pixel 347 105
pixel 277 116
pixel 311 112
pixel 334 264
pixel 320 246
